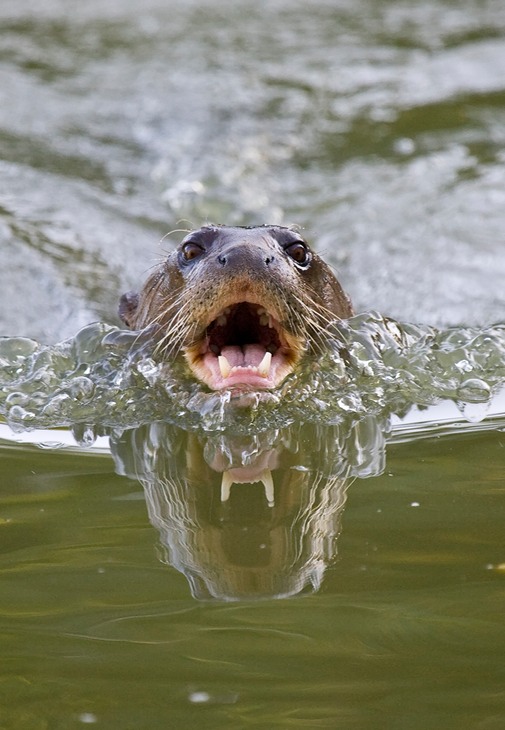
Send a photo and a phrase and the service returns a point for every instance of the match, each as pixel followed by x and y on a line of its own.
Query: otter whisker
pixel 167 306
pixel 318 326
pixel 308 311
pixel 179 329
pixel 176 335
pixel 179 326
pixel 322 312
pixel 174 230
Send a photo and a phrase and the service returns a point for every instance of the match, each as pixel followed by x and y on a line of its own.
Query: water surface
pixel 376 127
pixel 407 626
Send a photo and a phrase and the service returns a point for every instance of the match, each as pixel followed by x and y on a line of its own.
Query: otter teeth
pixel 223 317
pixel 263 369
pixel 264 366
pixel 224 366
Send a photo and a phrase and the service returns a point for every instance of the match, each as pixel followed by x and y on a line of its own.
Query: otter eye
pixel 299 253
pixel 191 251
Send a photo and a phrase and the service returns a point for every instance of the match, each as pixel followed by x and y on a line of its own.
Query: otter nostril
pixel 237 257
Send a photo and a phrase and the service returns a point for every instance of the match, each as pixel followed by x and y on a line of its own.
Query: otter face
pixel 241 304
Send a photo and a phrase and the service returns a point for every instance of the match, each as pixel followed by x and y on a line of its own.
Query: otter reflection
pixel 250 517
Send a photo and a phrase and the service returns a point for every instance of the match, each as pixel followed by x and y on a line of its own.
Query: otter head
pixel 242 305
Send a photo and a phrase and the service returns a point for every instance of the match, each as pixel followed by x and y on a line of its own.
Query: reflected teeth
pixel 265 478
pixel 263 368
pixel 268 483
pixel 226 486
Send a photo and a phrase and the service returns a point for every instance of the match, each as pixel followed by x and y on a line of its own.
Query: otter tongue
pixel 246 356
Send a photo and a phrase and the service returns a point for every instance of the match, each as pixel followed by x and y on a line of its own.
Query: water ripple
pixel 105 377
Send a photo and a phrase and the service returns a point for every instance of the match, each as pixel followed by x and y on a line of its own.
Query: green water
pixel 406 631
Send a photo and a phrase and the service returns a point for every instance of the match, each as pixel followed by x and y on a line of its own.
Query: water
pixel 369 589
pixel 378 128
pixel 407 625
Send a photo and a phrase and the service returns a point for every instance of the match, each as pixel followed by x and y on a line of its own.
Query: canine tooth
pixel 221 320
pixel 268 483
pixel 264 320
pixel 224 366
pixel 264 366
pixel 226 484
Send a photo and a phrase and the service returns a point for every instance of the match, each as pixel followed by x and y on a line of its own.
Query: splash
pixel 105 377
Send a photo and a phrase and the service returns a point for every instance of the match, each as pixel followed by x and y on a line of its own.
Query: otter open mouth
pixel 244 346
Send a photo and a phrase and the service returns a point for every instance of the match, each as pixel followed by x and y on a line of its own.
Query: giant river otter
pixel 243 305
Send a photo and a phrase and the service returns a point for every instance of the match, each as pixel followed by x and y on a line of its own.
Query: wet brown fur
pixel 182 297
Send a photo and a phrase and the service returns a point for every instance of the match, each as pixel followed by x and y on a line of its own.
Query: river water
pixel 366 589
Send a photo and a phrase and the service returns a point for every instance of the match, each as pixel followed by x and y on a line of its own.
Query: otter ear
pixel 128 307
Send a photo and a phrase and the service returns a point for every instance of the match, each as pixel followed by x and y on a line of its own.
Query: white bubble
pixel 404 146
pixel 87 718
pixel 199 698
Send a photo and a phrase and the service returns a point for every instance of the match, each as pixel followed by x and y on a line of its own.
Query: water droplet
pixel 474 390
pixel 81 388
pixel 56 406
pixel 16 399
pixel 474 412
pixel 84 435
pixel 19 418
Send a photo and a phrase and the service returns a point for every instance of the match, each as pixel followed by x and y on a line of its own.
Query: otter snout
pixel 237 257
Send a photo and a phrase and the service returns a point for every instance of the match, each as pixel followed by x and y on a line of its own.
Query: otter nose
pixel 239 256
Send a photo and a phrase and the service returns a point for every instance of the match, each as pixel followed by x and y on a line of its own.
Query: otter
pixel 243 305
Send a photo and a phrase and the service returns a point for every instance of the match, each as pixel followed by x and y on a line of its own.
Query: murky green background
pixel 407 630
pixel 378 127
